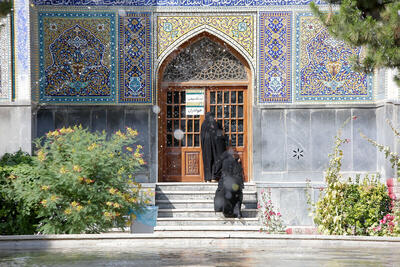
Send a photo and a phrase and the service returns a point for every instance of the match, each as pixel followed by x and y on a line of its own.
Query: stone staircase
pixel 190 207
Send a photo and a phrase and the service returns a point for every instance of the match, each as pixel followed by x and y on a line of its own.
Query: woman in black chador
pixel 212 144
pixel 229 195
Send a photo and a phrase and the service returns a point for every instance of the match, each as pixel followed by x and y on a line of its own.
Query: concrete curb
pixel 188 239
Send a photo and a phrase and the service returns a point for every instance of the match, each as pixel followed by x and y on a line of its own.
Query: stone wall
pixel 295 143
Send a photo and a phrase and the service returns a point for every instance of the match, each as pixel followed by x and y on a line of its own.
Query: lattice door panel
pixel 229 107
pixel 182 139
pixel 180 149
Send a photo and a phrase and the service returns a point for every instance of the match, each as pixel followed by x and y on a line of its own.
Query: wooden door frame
pixel 162 86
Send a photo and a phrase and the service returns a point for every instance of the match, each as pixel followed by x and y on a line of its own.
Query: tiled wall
pixel 292 57
pixel 5 60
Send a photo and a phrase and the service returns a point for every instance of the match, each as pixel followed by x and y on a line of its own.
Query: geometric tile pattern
pixel 5 59
pixel 323 69
pixel 77 57
pixel 236 27
pixel 135 58
pixel 275 57
pixel 205 3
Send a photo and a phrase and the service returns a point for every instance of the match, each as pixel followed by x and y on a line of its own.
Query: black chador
pixel 212 144
pixel 229 195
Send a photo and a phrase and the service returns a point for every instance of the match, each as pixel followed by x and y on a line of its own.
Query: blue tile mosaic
pixel 135 58
pixel 204 3
pixel 323 69
pixel 77 57
pixel 275 57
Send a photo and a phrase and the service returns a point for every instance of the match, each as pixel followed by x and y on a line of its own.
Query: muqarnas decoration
pixel 77 57
pixel 135 58
pixel 323 69
pixel 275 57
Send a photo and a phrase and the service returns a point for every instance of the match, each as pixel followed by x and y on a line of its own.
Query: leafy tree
pixel 373 24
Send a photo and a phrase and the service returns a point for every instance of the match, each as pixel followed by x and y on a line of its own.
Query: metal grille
pixel 178 123
pixel 228 107
pixel 206 61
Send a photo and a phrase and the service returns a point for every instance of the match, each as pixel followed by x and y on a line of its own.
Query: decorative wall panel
pixel 275 57
pixel 5 60
pixel 77 57
pixel 323 70
pixel 135 58
pixel 238 28
pixel 205 3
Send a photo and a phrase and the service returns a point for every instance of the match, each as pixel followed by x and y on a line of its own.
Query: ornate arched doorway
pixel 206 66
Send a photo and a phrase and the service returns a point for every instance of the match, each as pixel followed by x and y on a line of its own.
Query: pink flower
pixel 347 140
pixel 355 117
pixel 279 214
pixel 258 206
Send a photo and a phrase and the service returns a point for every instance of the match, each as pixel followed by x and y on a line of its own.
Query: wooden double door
pixel 180 146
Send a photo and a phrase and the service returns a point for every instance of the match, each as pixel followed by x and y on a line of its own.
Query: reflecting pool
pixel 277 256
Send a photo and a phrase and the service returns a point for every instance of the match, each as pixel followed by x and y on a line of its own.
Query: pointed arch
pixel 163 87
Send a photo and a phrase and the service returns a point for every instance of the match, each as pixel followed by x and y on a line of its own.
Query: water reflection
pixel 276 256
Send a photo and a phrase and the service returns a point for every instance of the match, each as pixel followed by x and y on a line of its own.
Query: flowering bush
pixel 15 216
pixel 271 220
pixel 81 182
pixel 352 206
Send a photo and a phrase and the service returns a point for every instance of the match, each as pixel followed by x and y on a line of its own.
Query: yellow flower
pixel 120 171
pixel 89 202
pixel 68 211
pixel 79 207
pixel 89 181
pixel 77 168
pixel 107 214
pixel 131 132
pixel 53 197
pixel 81 179
pixel 141 161
pixel 108 203
pixel 74 203
pixel 12 176
pixel 129 149
pixel 43 202
pixel 120 134
pixel 112 191
pixel 117 205
pixel 137 154
pixel 139 147
pixel 41 155
pixel 117 214
pixel 63 170
pixel 111 155
pixel 92 146
pixel 62 130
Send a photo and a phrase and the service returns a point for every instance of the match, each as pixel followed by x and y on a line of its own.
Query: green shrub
pixel 15 215
pixel 81 182
pixel 352 206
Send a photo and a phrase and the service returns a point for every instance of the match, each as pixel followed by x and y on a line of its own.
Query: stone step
pixel 205 228
pixel 196 186
pixel 197 195
pixel 199 213
pixel 217 220
pixel 197 204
